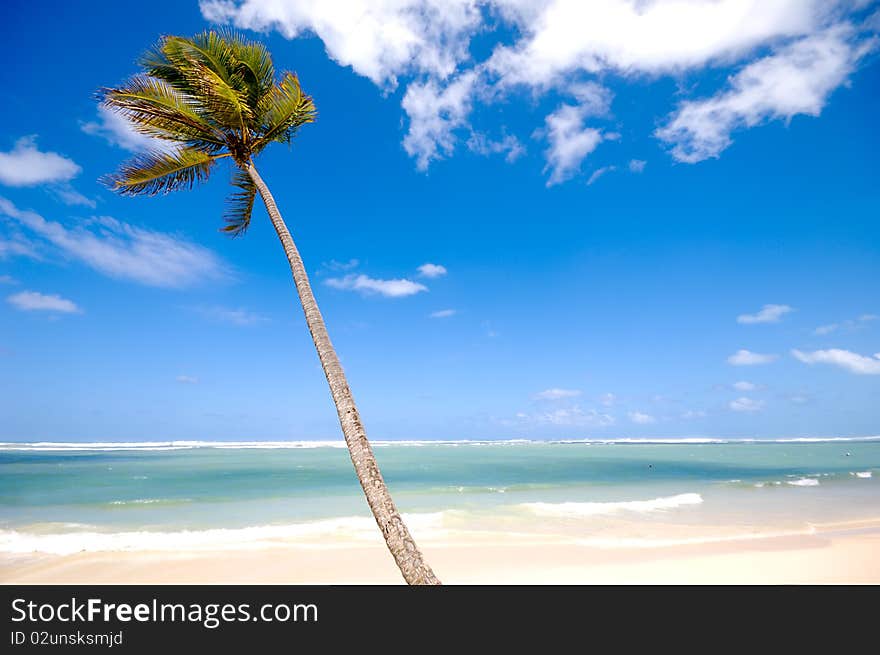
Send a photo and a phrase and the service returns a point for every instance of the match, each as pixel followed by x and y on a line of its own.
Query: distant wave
pixel 803 482
pixel 151 501
pixel 188 445
pixel 351 529
pixel 563 510
pixel 861 474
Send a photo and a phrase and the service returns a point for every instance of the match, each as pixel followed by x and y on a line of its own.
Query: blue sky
pixel 616 198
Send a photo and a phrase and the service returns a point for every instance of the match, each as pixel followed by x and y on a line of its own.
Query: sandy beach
pixel 834 553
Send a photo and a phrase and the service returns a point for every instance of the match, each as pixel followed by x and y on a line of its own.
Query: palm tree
pixel 215 96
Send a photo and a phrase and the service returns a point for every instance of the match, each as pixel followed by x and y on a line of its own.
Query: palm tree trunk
pixel 402 546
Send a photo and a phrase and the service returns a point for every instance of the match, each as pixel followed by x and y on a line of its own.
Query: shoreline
pixel 835 553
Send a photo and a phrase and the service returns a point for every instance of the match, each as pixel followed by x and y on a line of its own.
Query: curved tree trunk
pixel 407 555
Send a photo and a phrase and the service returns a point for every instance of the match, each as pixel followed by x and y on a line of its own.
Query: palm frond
pixel 155 108
pixel 284 110
pixel 173 54
pixel 254 65
pixel 240 205
pixel 221 100
pixel 161 172
pixel 204 69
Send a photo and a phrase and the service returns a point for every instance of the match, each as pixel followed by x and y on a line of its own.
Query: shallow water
pixel 65 498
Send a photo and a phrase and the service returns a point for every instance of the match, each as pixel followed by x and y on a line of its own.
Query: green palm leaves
pixel 205 98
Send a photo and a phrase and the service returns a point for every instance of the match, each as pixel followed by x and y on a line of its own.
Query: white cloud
pixel 334 265
pixel 26 165
pixel 641 418
pixel 30 301
pixel 746 405
pixel 116 130
pixel 509 144
pixel 693 414
pixel 187 379
pixel 607 399
pixel 70 196
pixel 826 329
pixel 570 141
pixel 240 316
pixel 432 270
pixel 442 313
pixel 855 324
pixel 557 394
pixel 797 79
pixel 367 285
pixel 637 165
pixel 570 416
pixel 7 279
pixel 745 357
pixel 792 54
pixel 599 172
pixel 563 36
pixel 435 112
pixel 124 251
pixel 768 314
pixel 853 362
pixel 17 245
pixel 744 386
pixel 380 39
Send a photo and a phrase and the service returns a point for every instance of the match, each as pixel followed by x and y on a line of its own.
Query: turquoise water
pixel 67 490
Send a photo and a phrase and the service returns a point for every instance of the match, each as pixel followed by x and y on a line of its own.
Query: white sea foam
pixel 803 482
pixel 150 501
pixel 563 510
pixel 185 445
pixel 861 474
pixel 350 529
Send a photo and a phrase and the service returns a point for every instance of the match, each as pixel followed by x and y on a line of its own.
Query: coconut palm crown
pixel 215 96
pixel 208 97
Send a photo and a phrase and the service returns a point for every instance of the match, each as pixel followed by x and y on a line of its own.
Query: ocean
pixel 67 498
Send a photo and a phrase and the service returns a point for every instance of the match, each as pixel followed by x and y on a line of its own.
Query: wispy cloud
pixel 240 316
pixel 17 245
pixel 692 414
pixel 568 416
pixel 599 172
pixel 118 131
pixel 366 285
pixel 125 251
pixel 187 379
pixel 767 314
pixel 31 301
pixel 70 196
pixel 7 279
pixel 747 405
pixel 745 357
pixel 852 324
pixel 337 266
pixel 845 359
pixel 432 270
pixel 607 399
pixel 637 165
pixel 442 313
pixel 570 139
pixel 744 385
pixel 641 418
pixel 557 394
pixel 509 144
pixel 796 79
pixel 26 165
